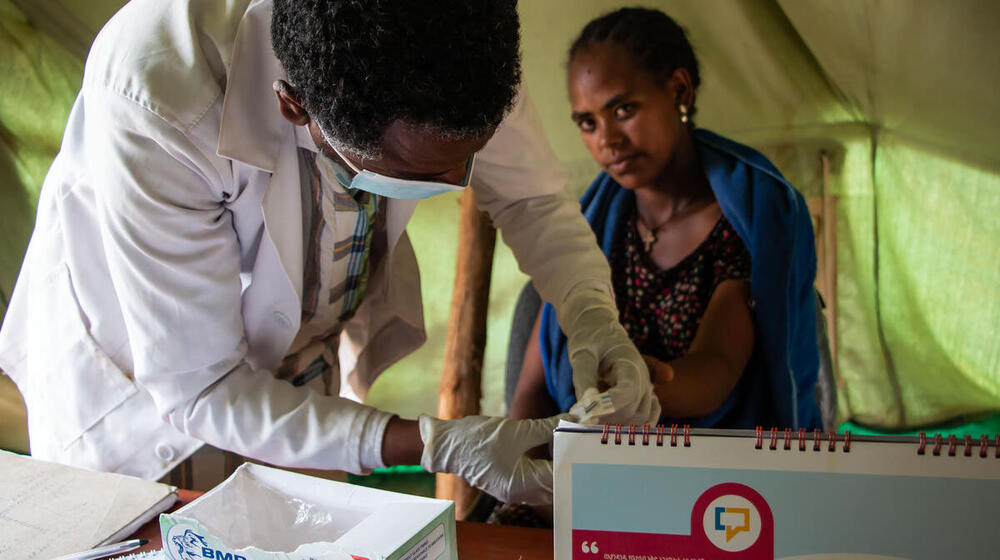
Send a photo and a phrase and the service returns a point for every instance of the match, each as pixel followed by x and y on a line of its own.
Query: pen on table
pixel 106 550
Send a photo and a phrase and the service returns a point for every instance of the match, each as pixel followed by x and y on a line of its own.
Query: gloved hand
pixel 600 349
pixel 489 453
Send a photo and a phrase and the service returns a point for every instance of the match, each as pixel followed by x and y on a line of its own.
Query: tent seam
pixel 879 324
pixel 837 92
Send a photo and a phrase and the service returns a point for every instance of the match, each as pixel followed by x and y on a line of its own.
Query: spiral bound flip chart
pixel 670 493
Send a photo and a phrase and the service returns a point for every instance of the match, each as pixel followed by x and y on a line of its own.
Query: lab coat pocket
pixel 71 382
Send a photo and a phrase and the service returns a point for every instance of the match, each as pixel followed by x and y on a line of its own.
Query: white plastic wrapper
pixel 247 512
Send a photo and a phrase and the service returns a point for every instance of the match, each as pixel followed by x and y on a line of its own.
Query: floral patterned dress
pixel 661 309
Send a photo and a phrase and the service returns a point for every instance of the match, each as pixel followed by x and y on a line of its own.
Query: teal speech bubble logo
pixel 732 523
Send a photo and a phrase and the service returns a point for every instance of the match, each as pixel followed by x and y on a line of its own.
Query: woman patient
pixel 711 250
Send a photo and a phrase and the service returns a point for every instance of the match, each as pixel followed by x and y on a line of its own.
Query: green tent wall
pixel 900 96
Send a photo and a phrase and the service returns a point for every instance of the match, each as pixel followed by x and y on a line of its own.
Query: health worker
pixel 220 253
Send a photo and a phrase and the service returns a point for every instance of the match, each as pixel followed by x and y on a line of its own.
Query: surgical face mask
pixel 392 187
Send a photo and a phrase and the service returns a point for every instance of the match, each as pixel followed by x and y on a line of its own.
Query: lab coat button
pixel 164 452
pixel 282 319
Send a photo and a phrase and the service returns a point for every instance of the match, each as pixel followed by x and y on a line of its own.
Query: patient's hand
pixel 659 371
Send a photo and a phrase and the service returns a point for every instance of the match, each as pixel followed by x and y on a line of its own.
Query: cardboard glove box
pixel 262 513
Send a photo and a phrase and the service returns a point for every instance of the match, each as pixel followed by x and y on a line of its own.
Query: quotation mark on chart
pixel 590 547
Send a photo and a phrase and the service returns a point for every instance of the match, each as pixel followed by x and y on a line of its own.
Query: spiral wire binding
pixel 644 431
pixel 787 436
pixel 967 442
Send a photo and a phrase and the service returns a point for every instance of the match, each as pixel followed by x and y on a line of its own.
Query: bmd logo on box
pixel 184 544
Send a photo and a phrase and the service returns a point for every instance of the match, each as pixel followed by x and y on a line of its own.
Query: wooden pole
pixel 461 376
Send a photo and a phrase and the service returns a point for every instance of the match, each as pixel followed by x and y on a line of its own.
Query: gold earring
pixel 684 113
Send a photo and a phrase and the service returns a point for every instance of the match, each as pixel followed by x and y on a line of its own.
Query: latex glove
pixel 600 349
pixel 489 453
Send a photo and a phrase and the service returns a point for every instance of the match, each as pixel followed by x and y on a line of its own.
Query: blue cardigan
pixel 777 388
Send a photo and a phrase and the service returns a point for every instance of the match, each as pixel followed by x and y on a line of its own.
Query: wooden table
pixel 476 541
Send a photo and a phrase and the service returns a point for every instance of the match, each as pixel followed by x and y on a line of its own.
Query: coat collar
pixel 252 129
pixel 254 132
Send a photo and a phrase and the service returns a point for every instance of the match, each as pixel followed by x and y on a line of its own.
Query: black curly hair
pixel 657 43
pixel 449 66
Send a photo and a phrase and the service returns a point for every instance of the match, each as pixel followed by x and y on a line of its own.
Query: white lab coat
pixel 163 281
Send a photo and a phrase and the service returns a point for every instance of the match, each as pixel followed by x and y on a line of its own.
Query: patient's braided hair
pixel 449 66
pixel 654 40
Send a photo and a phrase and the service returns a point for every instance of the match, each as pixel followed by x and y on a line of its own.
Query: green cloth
pixel 918 233
pixel 988 425
pixel 937 235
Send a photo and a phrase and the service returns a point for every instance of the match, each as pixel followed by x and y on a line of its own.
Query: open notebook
pixel 47 509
